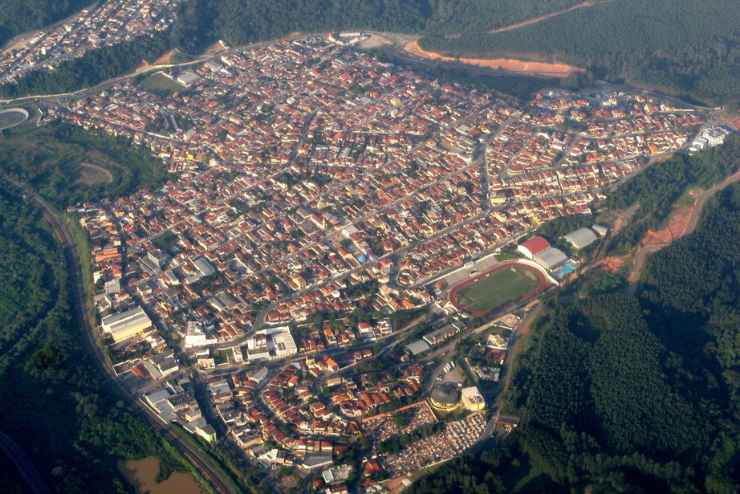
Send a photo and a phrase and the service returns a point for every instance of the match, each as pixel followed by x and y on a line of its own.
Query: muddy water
pixel 143 475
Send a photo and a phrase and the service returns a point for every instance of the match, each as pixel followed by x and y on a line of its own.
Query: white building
pixel 124 325
pixel 195 337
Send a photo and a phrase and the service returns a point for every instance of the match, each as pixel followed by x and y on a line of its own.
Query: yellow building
pixel 472 399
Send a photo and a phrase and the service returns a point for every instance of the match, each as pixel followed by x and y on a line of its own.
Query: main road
pixel 191 453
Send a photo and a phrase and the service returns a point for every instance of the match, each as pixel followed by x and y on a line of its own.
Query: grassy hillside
pixel 685 45
pixel 67 165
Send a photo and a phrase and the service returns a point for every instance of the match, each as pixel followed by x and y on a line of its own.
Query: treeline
pixel 630 393
pixel 56 404
pixel 19 16
pixel 657 188
pixel 201 23
pixel 687 46
pixel 243 21
pixel 52 160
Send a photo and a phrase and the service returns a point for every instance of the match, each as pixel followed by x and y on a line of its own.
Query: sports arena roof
pixel 583 237
pixel 446 394
pixel 535 245
pixel 550 258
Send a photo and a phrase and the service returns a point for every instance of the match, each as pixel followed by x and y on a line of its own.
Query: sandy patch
pixel 374 41
pixel 94 174
pixel 559 70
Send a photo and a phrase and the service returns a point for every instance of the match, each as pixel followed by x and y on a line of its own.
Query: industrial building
pixel 124 325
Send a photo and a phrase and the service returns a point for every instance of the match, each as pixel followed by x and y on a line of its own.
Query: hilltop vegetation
pixel 687 46
pixel 629 393
pixel 239 21
pixel 19 16
pixel 52 159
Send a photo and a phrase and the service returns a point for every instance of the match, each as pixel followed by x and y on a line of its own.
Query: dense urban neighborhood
pixel 306 284
pixel 353 257
pixel 102 25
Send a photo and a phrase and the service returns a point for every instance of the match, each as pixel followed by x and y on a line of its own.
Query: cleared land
pixel 91 174
pixel 12 117
pixel 497 288
pixel 683 221
pixel 537 20
pixel 559 70
pixel 159 83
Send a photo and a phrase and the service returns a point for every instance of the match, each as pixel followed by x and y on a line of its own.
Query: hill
pixel 686 46
pixel 19 16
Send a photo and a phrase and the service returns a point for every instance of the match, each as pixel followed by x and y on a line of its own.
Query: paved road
pixel 192 454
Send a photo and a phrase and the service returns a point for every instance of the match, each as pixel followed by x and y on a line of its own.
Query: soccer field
pixel 497 289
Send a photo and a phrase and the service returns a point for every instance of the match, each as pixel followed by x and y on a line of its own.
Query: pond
pixel 143 475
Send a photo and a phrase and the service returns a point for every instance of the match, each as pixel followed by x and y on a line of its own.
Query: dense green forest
pixel 19 16
pixel 629 393
pixel 688 46
pixel 55 160
pixel 56 403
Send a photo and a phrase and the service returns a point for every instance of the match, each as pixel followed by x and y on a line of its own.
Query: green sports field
pixel 497 289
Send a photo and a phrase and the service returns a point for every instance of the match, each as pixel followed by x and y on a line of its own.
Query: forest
pixel 56 403
pixel 19 16
pixel 55 160
pixel 688 47
pixel 629 391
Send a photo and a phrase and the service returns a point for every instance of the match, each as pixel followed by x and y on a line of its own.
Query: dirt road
pixel 682 222
pixel 559 70
pixel 537 20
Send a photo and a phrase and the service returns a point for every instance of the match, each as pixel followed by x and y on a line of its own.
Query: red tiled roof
pixel 536 244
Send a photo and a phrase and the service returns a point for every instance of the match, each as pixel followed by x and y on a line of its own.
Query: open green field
pixel 159 83
pixel 497 289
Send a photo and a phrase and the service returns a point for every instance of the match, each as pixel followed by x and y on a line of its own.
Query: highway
pixel 193 455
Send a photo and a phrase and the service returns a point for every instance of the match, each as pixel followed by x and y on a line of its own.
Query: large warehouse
pixel 581 238
pixel 125 325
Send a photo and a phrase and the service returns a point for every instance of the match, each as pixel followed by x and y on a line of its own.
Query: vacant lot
pixel 159 83
pixel 496 289
pixel 94 174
